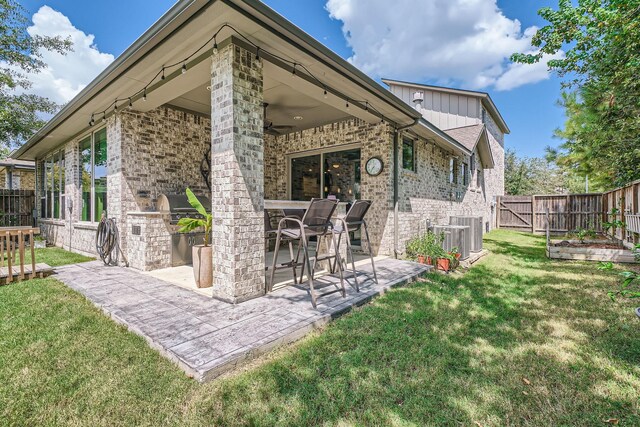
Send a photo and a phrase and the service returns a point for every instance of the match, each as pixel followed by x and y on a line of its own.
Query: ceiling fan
pixel 272 129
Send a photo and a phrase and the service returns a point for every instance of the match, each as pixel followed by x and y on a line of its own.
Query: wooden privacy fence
pixel 16 208
pixel 567 212
pixel 625 202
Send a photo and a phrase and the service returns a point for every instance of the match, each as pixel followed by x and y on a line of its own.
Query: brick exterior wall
pixel 237 174
pixel 146 156
pixel 375 139
pixel 425 194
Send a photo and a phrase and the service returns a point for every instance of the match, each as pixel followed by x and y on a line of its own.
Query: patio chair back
pixel 356 214
pixel 296 213
pixel 267 222
pixel 318 217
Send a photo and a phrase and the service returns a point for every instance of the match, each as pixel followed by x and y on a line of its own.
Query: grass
pixel 53 256
pixel 517 340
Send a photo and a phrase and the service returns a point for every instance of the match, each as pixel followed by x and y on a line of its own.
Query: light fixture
pixel 215 46
pixel 115 106
pixel 209 88
pixel 293 72
pixel 257 54
pixel 130 104
pixel 184 67
pixel 91 122
pixel 347 103
pixel 325 93
pixel 336 165
pixel 366 106
pixel 297 117
pixel 144 94
pixel 162 77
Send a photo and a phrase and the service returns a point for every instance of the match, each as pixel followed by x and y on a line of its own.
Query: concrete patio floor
pixel 207 337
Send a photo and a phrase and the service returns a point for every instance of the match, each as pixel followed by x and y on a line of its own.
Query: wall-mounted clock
pixel 374 166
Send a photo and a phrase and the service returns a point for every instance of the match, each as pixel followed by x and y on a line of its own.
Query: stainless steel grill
pixel 178 206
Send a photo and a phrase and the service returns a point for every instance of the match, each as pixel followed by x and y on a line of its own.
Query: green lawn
pixel 517 340
pixel 56 257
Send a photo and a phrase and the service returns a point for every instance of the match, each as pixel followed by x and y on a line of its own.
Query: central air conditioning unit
pixel 475 226
pixel 455 236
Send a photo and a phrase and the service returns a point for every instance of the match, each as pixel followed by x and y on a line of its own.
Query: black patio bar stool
pixel 270 234
pixel 316 222
pixel 352 222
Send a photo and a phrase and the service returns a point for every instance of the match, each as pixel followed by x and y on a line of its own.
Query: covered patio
pixel 228 99
pixel 207 337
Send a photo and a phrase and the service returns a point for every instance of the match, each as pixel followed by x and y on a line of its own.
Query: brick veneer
pixel 237 174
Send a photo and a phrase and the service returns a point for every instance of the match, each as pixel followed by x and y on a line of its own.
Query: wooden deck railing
pixel 13 246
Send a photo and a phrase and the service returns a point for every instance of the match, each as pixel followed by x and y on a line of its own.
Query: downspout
pixel 396 180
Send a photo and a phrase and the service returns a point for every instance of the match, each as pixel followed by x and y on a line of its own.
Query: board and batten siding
pixel 445 110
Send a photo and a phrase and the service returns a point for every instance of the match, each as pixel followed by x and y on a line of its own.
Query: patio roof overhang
pixel 188 25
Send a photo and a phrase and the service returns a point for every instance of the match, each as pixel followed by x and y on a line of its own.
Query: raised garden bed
pixel 589 250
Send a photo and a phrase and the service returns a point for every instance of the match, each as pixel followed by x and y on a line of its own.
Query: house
pixel 230 99
pixel 17 174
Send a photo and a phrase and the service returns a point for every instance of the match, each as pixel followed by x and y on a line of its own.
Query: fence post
pixel 498 211
pixel 534 206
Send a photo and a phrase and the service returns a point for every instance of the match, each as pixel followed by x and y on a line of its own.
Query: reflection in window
pixel 100 173
pixel 85 177
pixel 335 174
pixel 305 177
pixel 408 154
pixel 342 175
pixel 48 186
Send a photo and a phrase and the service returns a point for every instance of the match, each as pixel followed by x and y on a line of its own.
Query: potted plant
pixel 414 249
pixel 432 247
pixel 202 254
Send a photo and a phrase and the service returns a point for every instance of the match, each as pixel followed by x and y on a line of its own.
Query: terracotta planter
pixel 457 255
pixel 421 259
pixel 443 264
pixel 203 265
pixel 429 261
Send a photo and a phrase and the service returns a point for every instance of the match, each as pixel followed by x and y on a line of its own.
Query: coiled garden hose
pixel 107 242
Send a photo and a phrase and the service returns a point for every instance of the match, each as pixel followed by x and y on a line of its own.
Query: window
pixel 453 170
pixel 52 185
pixel 465 174
pixel 326 174
pixel 93 172
pixel 479 178
pixel 408 154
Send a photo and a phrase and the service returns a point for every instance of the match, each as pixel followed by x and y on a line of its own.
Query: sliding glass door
pixel 326 174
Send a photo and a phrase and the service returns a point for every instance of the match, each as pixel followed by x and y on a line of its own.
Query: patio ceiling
pixel 188 25
pixel 287 98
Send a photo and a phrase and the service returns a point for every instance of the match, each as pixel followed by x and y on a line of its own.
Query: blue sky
pixel 529 109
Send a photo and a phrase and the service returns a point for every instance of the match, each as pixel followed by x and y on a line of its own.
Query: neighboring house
pixel 17 174
pixel 266 113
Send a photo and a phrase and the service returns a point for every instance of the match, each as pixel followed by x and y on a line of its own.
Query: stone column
pixel 237 174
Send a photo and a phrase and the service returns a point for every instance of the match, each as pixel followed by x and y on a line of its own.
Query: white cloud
pixel 65 75
pixel 464 42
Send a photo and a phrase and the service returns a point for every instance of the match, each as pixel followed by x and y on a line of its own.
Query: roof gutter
pixel 108 75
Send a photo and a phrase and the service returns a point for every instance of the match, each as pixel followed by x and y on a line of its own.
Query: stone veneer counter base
pixel 207 337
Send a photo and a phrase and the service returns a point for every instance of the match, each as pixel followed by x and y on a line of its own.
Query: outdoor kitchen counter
pixel 297 204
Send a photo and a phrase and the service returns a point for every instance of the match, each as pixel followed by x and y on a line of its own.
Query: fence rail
pixel 16 208
pixel 569 212
pixel 566 212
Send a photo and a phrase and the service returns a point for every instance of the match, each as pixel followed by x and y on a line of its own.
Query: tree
pixel 20 55
pixel 535 175
pixel 601 66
